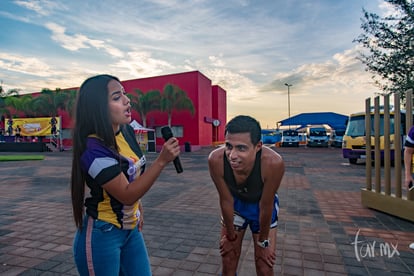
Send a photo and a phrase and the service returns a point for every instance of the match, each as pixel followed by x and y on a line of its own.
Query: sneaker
pixel 411 245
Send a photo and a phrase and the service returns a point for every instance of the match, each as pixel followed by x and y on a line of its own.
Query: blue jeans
pixel 103 249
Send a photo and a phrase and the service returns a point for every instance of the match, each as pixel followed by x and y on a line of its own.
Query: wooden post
pixel 397 145
pixel 387 148
pixel 377 143
pixel 368 163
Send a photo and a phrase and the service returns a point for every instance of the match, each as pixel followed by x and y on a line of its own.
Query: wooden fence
pixel 384 183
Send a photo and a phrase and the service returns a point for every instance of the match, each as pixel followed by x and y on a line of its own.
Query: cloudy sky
pixel 249 47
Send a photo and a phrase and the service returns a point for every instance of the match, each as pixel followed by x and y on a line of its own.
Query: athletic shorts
pixel 247 214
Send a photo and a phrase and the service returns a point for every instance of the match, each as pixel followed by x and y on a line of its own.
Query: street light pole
pixel 288 86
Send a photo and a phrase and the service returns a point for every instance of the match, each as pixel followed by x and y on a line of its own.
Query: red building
pixel 204 128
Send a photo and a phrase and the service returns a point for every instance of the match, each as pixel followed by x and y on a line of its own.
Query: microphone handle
pixel 177 165
pixel 167 134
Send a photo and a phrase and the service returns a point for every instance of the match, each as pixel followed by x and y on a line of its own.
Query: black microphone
pixel 167 134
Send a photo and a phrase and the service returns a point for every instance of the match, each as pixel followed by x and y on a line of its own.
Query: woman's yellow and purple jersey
pixel 101 164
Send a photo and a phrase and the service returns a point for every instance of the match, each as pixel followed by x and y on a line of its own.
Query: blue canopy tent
pixel 334 120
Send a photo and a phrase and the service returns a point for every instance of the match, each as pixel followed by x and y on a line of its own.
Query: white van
pixel 290 138
pixel 317 137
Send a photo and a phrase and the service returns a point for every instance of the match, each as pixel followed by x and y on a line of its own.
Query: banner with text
pixel 40 126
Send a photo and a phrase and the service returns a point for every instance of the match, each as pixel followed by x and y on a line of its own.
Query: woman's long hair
pixel 91 117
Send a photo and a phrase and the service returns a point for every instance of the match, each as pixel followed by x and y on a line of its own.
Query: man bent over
pixel 247 175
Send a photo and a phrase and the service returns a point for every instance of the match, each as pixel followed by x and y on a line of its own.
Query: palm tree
pixel 10 92
pixel 13 105
pixel 145 103
pixel 24 104
pixel 4 108
pixel 174 98
pixel 49 102
pixel 70 101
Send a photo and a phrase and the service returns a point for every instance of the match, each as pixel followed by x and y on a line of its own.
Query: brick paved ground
pixel 321 217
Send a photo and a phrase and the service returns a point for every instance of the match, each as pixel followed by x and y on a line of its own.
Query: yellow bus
pixel 354 140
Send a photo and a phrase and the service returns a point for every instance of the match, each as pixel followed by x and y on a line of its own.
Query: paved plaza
pixel 323 228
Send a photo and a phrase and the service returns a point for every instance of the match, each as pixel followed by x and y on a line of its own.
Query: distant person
pixel 10 131
pixel 17 134
pixel 53 129
pixel 408 165
pixel 108 163
pixel 247 175
pixel 10 127
pixel 2 132
pixel 10 122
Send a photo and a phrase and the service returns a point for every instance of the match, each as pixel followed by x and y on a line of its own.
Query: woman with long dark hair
pixel 109 165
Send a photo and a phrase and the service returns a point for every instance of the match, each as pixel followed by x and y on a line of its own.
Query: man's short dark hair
pixel 245 124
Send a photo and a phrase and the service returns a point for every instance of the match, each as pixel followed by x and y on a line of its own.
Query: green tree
pixel 70 101
pixel 12 104
pixel 49 102
pixel 389 42
pixel 145 103
pixel 23 104
pixel 4 108
pixel 174 98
